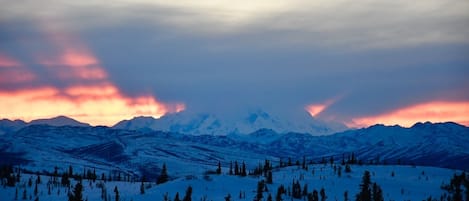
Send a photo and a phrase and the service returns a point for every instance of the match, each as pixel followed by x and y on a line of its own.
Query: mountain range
pixel 202 124
pixel 139 150
pixel 211 124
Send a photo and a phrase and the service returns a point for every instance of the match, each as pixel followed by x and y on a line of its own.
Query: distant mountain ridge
pixel 41 146
pixel 7 126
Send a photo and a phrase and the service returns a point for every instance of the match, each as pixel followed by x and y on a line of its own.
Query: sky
pixel 359 63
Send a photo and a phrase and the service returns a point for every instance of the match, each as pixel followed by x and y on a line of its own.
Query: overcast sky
pixel 357 59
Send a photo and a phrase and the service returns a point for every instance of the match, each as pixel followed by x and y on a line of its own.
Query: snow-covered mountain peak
pixel 59 121
pixel 212 124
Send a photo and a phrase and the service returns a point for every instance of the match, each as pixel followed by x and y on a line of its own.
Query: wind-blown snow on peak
pixel 59 121
pixel 211 124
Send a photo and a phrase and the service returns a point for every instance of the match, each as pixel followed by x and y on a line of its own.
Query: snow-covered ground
pixel 408 183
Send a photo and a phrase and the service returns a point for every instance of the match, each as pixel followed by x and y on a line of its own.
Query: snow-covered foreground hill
pixel 397 183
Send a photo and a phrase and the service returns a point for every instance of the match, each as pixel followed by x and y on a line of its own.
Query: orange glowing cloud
pixel 75 64
pixel 13 72
pixel 6 61
pixel 316 109
pixel 431 111
pixel 87 96
pixel 105 109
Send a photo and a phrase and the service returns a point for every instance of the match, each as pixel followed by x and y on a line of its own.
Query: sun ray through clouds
pixel 87 94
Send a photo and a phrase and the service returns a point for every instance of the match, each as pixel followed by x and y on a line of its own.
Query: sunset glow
pixel 105 109
pixel 6 61
pixel 316 109
pixel 88 95
pixel 432 111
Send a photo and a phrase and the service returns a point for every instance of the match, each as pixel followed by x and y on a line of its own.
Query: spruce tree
pixel 228 197
pixel 269 197
pixel 25 195
pixel 176 197
pixel 236 170
pixel 76 195
pixel 323 194
pixel 163 177
pixel 377 193
pixel 188 196
pixel 142 188
pixel 305 190
pixel 365 191
pixel 315 195
pixel 116 191
pixel 231 168
pixel 260 190
pixel 35 190
pixel 243 171
pixel 269 177
pixel 219 168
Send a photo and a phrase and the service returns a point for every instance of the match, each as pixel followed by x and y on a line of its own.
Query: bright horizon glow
pixel 98 102
pixel 437 111
pixel 107 109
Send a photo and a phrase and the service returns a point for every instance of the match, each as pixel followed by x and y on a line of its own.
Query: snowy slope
pixel 211 124
pixel 408 183
pixel 7 126
pixel 42 147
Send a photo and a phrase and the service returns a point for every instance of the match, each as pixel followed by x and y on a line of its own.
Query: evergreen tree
pixel 16 193
pixel 303 165
pixel 236 168
pixel 231 168
pixel 188 196
pixel 65 181
pixel 35 190
pixel 70 170
pixel 315 195
pixel 176 197
pixel 346 196
pixel 323 194
pixel 365 192
pixel 25 195
pixel 296 190
pixel 280 191
pixel 348 169
pixel 228 197
pixel 269 177
pixel 163 176
pixel 260 190
pixel 305 190
pixel 77 194
pixel 116 191
pixel 142 188
pixel 377 193
pixel 466 185
pixel 219 168
pixel 38 180
pixel 243 171
pixel 269 197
